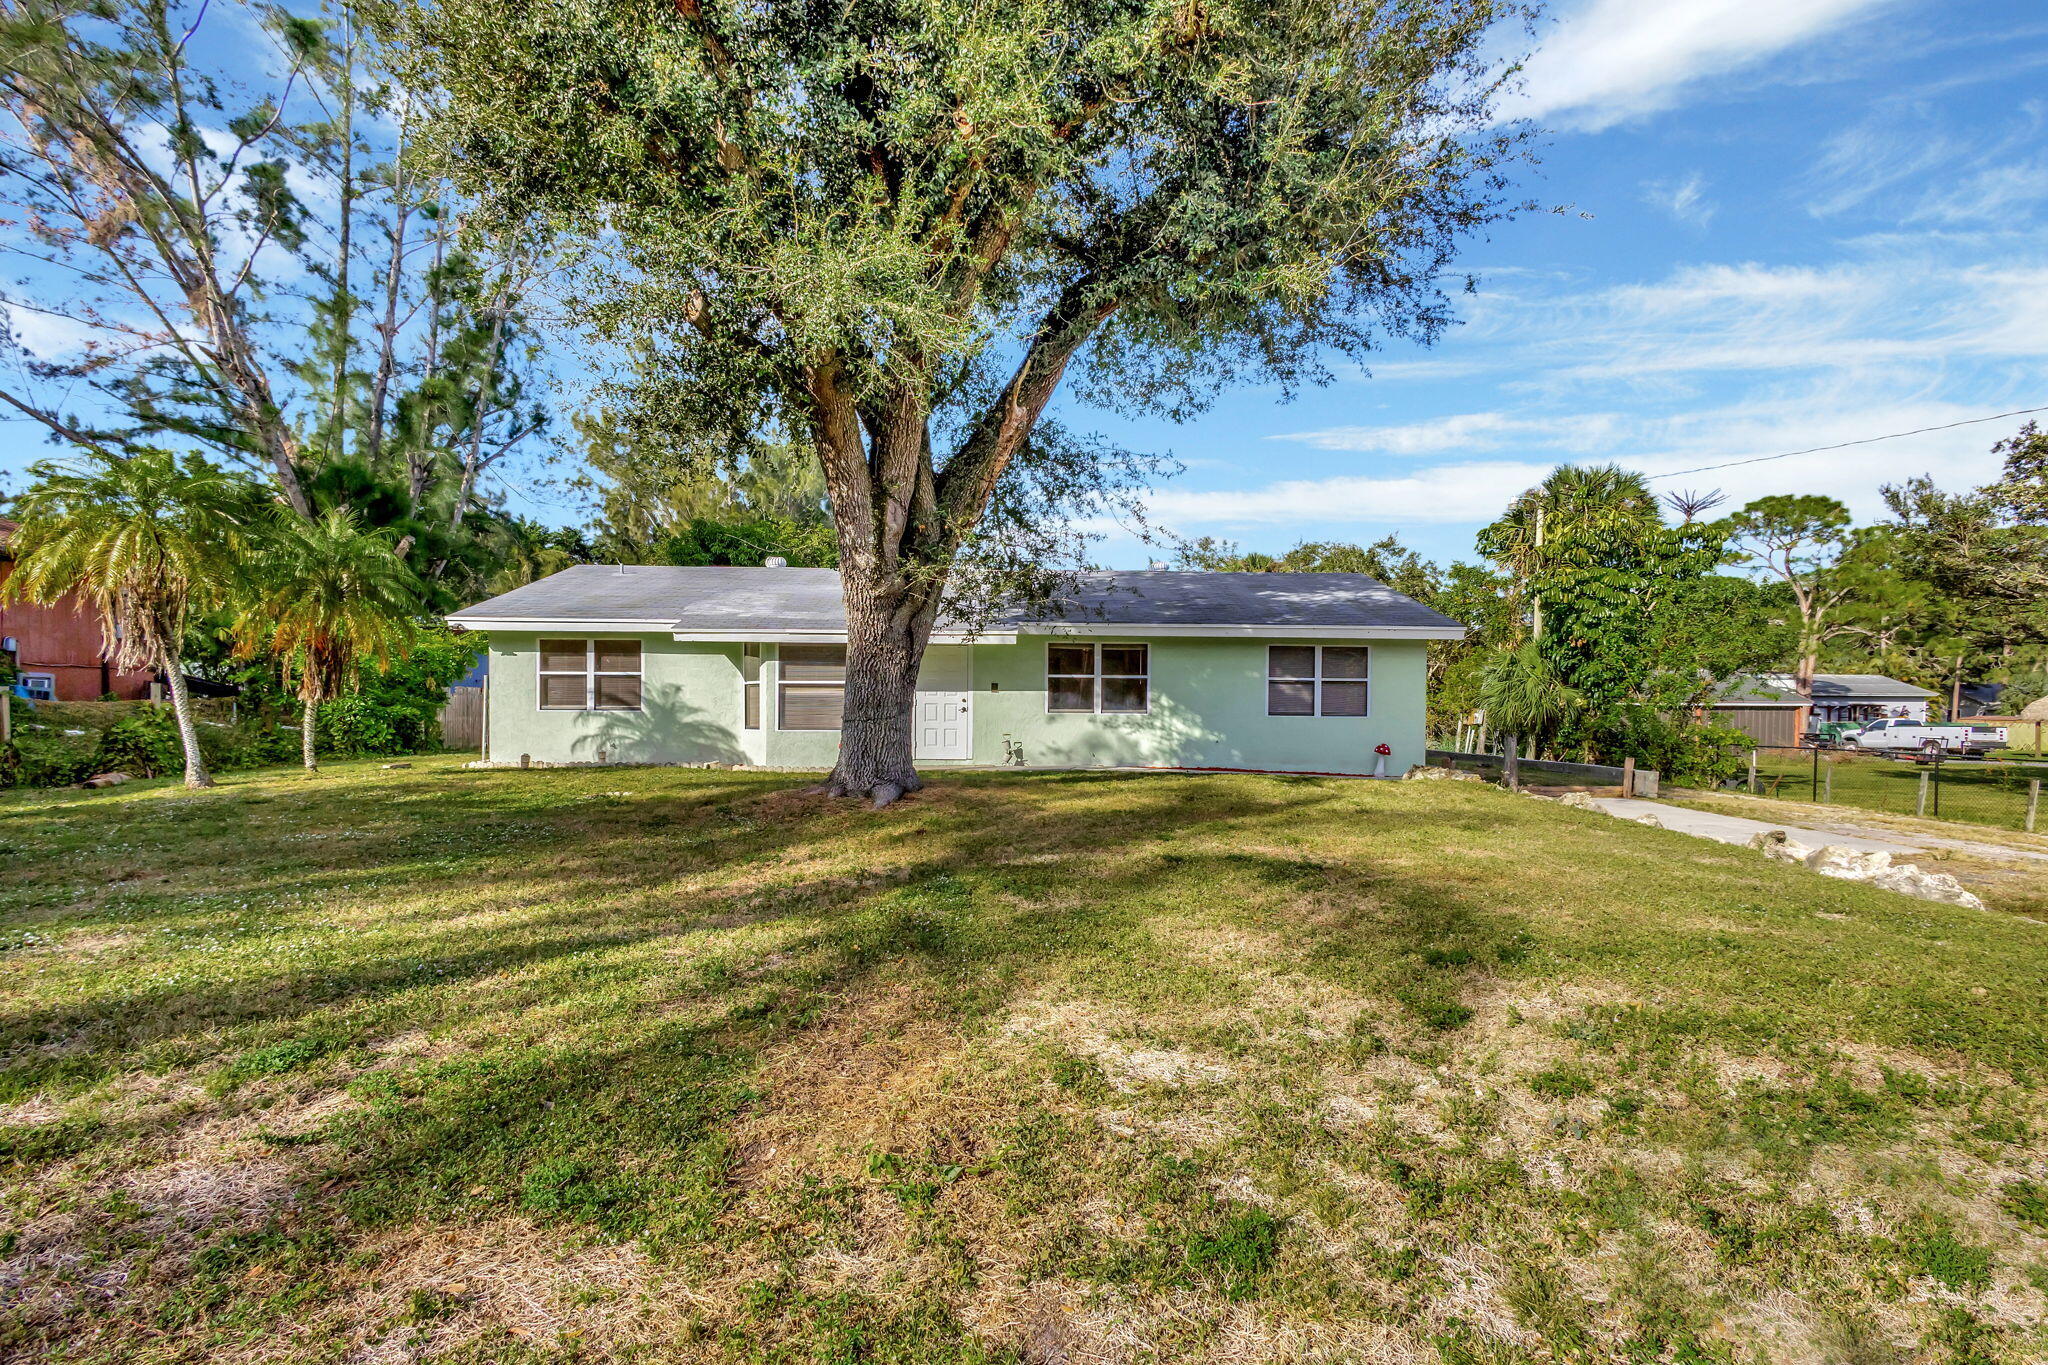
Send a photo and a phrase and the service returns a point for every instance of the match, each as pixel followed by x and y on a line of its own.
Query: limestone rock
pixel 1578 801
pixel 1423 773
pixel 1877 868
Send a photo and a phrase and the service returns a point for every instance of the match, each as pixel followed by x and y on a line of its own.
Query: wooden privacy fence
pixel 462 718
pixel 1642 781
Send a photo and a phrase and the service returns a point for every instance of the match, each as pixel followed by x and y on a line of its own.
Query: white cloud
pixel 1464 432
pixel 1901 162
pixel 1663 446
pixel 1443 493
pixel 1608 61
pixel 1685 200
pixel 1916 302
pixel 47 336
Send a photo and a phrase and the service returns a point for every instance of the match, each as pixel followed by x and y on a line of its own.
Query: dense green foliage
pixel 267 269
pixel 392 710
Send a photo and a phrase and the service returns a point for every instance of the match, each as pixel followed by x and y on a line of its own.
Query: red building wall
pixel 64 641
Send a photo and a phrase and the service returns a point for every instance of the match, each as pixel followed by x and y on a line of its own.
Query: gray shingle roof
pixel 1836 686
pixel 751 599
pixel 1166 597
pixel 1743 690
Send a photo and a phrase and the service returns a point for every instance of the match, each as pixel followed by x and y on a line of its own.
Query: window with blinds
pixel 589 675
pixel 750 686
pixel 1316 680
pixel 810 690
pixel 1105 679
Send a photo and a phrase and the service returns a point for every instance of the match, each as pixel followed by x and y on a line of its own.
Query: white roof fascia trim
pixel 468 622
pixel 829 637
pixel 1270 632
pixel 1007 635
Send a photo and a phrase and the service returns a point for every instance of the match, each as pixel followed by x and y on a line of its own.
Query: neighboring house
pixel 1284 672
pixel 1765 712
pixel 58 651
pixel 1860 696
pixel 1771 710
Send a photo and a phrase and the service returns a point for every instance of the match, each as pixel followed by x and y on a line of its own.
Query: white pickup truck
pixel 1931 741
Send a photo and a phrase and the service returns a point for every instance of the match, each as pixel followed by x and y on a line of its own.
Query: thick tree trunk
pixel 887 626
pixel 306 716
pixel 188 732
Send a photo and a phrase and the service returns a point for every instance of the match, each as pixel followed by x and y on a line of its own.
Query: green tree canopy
pixel 327 597
pixel 145 540
pixel 895 227
pixel 1840 578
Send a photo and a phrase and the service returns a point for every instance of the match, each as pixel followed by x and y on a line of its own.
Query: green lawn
pixel 1978 792
pixel 659 1065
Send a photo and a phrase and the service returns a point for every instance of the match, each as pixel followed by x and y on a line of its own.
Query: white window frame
pixel 1095 675
pixel 1316 682
pixel 28 681
pixel 781 683
pixel 590 673
pixel 752 687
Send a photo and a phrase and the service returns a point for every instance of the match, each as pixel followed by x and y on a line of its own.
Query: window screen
pixel 589 675
pixel 1070 677
pixel 812 690
pixel 750 686
pixel 1111 679
pixel 1317 680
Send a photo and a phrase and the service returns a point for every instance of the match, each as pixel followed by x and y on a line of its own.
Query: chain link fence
pixel 2002 791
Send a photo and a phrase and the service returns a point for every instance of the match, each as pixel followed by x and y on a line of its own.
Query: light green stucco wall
pixel 691 709
pixel 1208 710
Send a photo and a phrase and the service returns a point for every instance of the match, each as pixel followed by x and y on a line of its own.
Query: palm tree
pixel 1577 517
pixel 144 539
pixel 1524 698
pixel 329 596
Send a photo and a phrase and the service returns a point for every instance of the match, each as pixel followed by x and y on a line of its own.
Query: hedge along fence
pixel 54 743
pixel 1565 774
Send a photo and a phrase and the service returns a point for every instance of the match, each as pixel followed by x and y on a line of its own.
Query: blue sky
pixel 1791 223
pixel 1794 222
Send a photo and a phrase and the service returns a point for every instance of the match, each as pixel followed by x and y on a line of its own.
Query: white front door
pixel 940 726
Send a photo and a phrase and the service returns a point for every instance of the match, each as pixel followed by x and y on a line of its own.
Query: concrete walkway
pixel 1733 829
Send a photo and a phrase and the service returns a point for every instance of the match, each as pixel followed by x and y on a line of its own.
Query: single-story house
pixel 1765 712
pixel 1770 709
pixel 1860 696
pixel 1305 672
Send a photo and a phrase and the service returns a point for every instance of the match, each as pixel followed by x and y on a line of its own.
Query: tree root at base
pixel 879 794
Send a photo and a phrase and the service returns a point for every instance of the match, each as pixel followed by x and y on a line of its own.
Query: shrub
pixel 1683 751
pixel 354 724
pixel 144 744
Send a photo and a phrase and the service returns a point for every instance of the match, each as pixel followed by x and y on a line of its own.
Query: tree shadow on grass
pixel 609 903
pixel 616 1114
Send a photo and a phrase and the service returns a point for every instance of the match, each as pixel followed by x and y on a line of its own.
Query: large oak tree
pixel 891 228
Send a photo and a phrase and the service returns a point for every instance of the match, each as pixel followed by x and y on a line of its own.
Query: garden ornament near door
pixel 1379 767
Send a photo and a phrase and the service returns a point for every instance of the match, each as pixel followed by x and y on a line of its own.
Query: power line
pixel 1843 445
